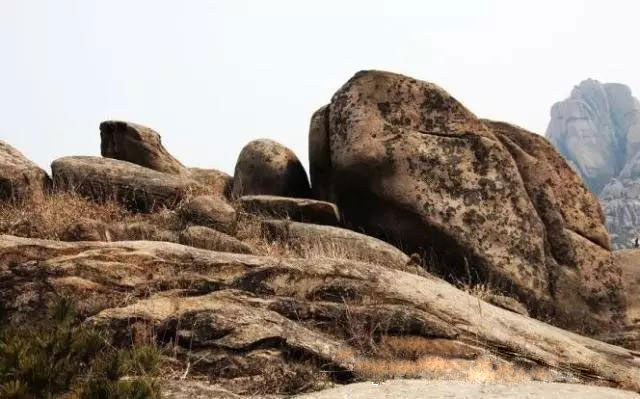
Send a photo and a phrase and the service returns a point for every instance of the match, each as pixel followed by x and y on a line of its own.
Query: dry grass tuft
pixel 50 217
pixel 418 357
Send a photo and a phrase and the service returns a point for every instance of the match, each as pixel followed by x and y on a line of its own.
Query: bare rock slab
pixel 137 187
pixel 234 304
pixel 298 209
pixel 206 238
pixel 341 242
pixel 421 389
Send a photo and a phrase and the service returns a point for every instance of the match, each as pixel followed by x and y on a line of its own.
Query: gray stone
pixel 597 129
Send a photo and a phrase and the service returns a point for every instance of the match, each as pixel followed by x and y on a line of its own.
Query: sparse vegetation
pixel 60 358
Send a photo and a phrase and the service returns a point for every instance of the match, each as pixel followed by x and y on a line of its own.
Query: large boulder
pixel 20 178
pixel 298 209
pixel 137 144
pixel 267 167
pixel 210 211
pixel 412 165
pixel 230 316
pixel 136 187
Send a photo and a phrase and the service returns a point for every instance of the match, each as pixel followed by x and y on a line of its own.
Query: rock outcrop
pixel 267 167
pixel 20 179
pixel 137 144
pixel 240 315
pixel 336 242
pixel 597 129
pixel 137 187
pixel 409 163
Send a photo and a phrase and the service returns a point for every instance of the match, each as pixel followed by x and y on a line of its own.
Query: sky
pixel 210 76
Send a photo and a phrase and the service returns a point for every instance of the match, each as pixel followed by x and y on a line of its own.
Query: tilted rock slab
pixel 405 161
pixel 20 179
pixel 337 241
pixel 135 186
pixel 137 144
pixel 298 209
pixel 237 304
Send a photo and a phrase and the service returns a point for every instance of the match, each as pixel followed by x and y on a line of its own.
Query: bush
pixel 61 357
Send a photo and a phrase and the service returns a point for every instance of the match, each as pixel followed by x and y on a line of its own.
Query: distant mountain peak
pixel 597 129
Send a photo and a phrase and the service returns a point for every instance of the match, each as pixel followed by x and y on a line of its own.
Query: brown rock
pixel 210 211
pixel 20 179
pixel 336 242
pixel 410 164
pixel 134 186
pixel 87 230
pixel 221 308
pixel 629 262
pixel 215 182
pixel 206 238
pixel 137 144
pixel 267 167
pixel 298 209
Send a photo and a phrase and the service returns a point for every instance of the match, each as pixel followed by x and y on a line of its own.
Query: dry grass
pixel 51 216
pixel 418 357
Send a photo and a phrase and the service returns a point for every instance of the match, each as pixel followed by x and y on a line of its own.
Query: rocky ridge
pixel 430 244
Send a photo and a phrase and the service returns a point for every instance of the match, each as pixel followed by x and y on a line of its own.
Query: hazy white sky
pixel 210 76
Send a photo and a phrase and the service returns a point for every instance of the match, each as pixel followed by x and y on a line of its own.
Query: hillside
pixel 424 243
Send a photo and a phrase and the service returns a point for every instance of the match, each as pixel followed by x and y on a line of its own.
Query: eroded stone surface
pixel 267 167
pixel 20 179
pixel 242 306
pixel 410 164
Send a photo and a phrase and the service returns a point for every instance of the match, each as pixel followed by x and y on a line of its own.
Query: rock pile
pixel 262 282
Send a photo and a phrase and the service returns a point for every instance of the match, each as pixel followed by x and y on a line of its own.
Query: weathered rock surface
pixel 267 167
pixel 216 183
pixel 278 312
pixel 436 178
pixel 629 261
pixel 20 179
pixel 137 144
pixel 135 186
pixel 597 129
pixel 298 209
pixel 206 238
pixel 424 389
pixel 194 236
pixel 210 211
pixel 342 243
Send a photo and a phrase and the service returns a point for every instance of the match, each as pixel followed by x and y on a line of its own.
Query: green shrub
pixel 59 356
